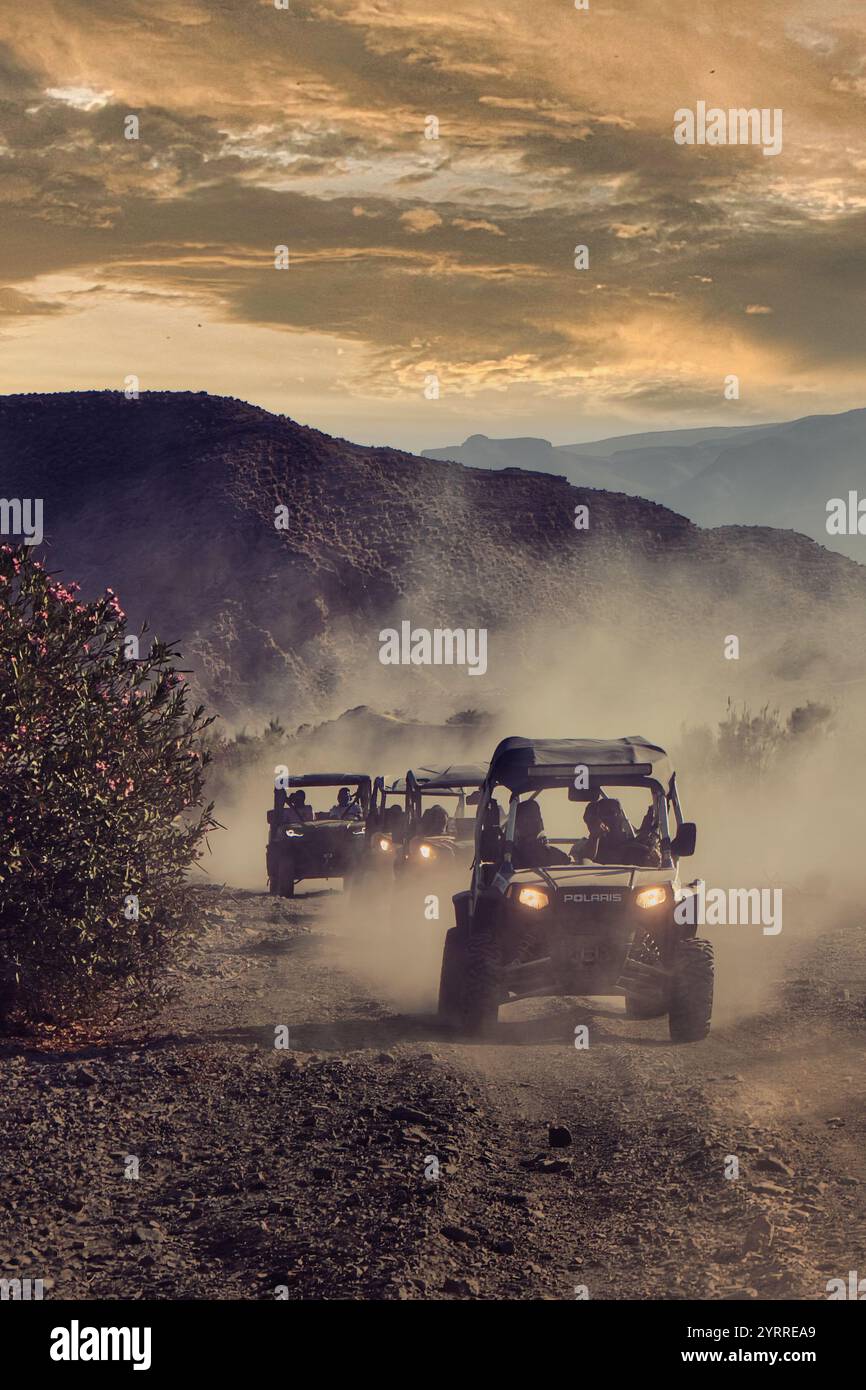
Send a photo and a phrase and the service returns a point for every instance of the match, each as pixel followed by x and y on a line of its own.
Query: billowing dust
pixel 794 825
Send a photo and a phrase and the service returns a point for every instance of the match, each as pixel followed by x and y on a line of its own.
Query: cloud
pixel 477 224
pixel 261 127
pixel 420 219
pixel 15 304
pixel 82 98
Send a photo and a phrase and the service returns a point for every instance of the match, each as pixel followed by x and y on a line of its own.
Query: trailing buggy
pixel 599 913
pixel 437 835
pixel 303 843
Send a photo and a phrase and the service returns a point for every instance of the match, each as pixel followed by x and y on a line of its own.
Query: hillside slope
pixel 172 499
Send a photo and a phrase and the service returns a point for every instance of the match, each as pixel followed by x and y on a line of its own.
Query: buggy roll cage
pixel 541 778
pixel 359 780
pixel 379 797
pixel 447 784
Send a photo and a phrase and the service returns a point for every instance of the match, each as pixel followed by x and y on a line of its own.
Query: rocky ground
pixel 366 1155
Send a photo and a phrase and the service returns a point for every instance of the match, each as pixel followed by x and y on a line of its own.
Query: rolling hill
pixel 275 554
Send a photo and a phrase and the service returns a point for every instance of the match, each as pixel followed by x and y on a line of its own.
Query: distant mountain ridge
pixel 780 475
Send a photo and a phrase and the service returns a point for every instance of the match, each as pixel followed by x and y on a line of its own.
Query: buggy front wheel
pixel 691 998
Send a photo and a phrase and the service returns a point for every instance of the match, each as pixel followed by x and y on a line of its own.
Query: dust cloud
pixel 791 821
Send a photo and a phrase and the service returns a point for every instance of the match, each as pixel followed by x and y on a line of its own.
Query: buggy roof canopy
pixel 395 784
pixel 456 775
pixel 523 763
pixel 328 779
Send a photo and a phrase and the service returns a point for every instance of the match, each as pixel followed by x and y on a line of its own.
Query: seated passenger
pixel 531 850
pixel 434 821
pixel 305 812
pixel 345 808
pixel 394 823
pixel 612 839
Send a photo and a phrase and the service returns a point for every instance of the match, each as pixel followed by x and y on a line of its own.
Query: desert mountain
pixel 778 475
pixel 276 554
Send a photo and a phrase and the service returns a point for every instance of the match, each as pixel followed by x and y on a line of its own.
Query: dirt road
pixel 374 1157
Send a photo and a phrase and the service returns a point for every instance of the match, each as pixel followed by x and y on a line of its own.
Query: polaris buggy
pixel 606 915
pixel 437 834
pixel 307 844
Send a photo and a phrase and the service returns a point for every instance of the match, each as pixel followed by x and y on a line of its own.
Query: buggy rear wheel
pixel 286 877
pixel 644 1006
pixel 691 1001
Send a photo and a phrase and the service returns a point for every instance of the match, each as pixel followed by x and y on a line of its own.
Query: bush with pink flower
pixel 101 797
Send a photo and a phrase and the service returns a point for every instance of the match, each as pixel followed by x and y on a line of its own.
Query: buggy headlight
pixel 426 852
pixel 533 897
pixel 651 897
pixel 383 843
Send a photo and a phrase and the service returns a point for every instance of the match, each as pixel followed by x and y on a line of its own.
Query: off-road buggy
pixel 308 844
pixel 588 924
pixel 384 828
pixel 387 817
pixel 438 837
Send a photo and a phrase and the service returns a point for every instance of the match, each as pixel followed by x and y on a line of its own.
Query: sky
pixel 417 262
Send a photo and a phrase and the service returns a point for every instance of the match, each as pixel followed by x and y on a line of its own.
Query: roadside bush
pixel 101 792
pixel 751 743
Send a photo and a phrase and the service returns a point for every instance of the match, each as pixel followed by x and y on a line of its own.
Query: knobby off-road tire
pixel 452 978
pixel 286 877
pixel 691 1002
pixel 644 1006
pixel 482 988
pixel 273 887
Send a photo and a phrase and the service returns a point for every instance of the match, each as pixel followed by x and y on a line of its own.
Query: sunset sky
pixel 305 127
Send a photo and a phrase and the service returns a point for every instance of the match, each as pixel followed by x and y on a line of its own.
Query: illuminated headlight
pixel 383 843
pixel 651 897
pixel 533 897
pixel 426 851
